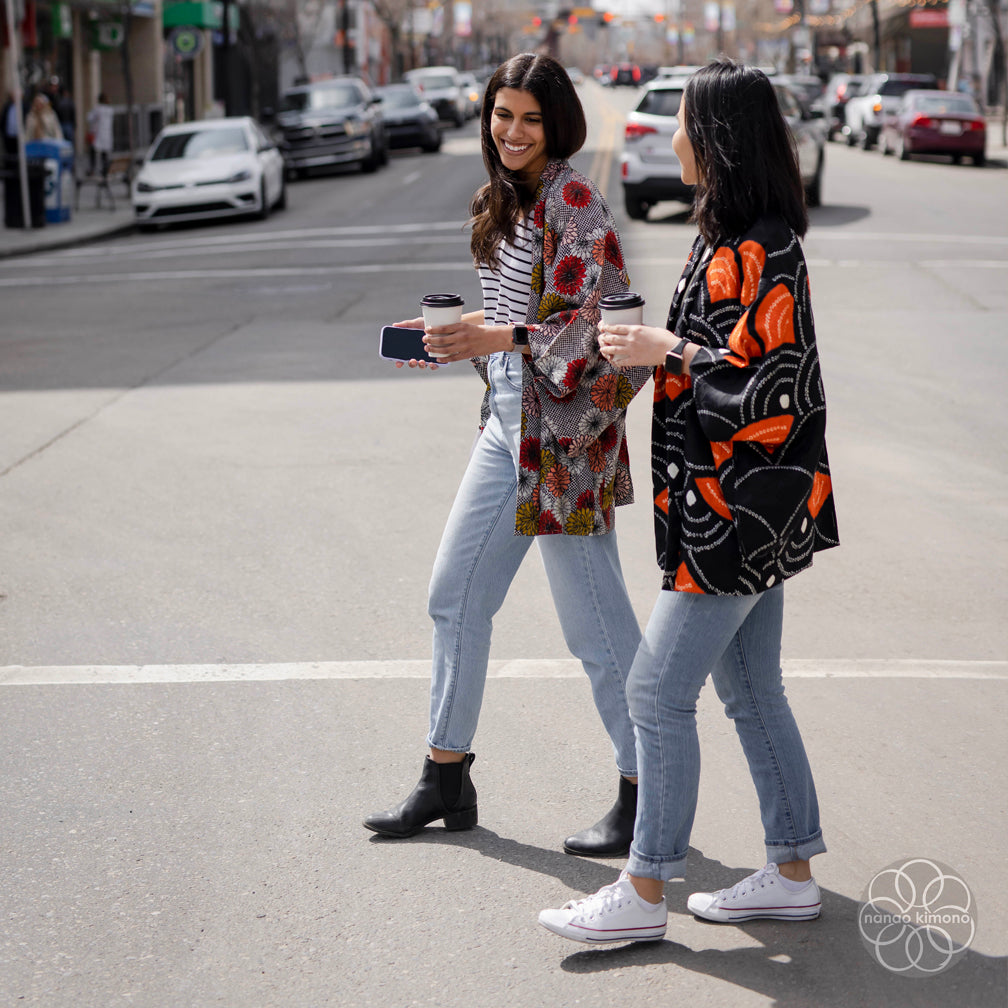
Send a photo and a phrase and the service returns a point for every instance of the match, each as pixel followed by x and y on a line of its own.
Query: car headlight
pixel 143 186
pixel 241 176
pixel 354 127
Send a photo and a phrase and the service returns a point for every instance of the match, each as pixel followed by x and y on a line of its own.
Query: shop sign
pixel 186 42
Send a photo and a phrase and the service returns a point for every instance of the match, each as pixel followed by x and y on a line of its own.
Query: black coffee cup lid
pixel 617 302
pixel 441 301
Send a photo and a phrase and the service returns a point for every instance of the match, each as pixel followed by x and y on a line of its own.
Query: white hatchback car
pixel 206 169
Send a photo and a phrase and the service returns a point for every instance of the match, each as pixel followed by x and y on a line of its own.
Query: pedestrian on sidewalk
pixel 742 501
pixel 41 122
pixel 99 121
pixel 551 460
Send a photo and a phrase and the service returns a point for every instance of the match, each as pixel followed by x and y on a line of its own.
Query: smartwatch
pixel 673 359
pixel 519 336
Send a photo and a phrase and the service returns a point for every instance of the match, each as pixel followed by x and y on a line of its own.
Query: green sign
pixel 107 34
pixel 62 21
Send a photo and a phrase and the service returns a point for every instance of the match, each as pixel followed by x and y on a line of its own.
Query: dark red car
pixel 936 122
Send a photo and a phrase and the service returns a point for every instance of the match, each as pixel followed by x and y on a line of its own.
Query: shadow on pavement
pixel 820 964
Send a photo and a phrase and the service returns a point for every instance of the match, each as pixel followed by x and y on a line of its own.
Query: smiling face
pixel 516 126
pixel 684 149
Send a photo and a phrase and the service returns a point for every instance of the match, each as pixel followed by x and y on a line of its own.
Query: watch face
pixel 519 334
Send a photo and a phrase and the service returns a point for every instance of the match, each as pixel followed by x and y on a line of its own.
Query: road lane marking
pixel 834 668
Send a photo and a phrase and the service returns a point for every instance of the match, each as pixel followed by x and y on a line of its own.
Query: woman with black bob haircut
pixel 743 499
pixel 744 152
pixel 551 461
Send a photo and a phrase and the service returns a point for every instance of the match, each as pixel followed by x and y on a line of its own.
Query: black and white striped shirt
pixel 506 288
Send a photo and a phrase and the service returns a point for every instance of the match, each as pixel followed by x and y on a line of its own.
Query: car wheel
pixel 813 194
pixel 636 208
pixel 459 120
pixel 383 154
pixel 979 160
pixel 883 144
pixel 901 150
pixel 957 159
pixel 264 206
pixel 433 145
pixel 281 203
pixel 866 141
pixel 851 139
pixel 370 163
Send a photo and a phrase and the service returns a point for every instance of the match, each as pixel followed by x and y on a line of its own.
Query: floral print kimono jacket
pixel 574 466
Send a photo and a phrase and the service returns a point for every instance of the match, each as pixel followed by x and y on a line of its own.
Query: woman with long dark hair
pixel 743 500
pixel 551 460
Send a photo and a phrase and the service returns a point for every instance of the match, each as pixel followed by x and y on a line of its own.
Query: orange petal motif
pixel 722 451
pixel 753 257
pixel 675 385
pixel 775 318
pixel 742 344
pixel 685 582
pixel 661 500
pixel 771 432
pixel 710 490
pixel 722 275
pixel 822 487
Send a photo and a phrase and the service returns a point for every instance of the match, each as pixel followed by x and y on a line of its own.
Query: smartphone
pixel 396 343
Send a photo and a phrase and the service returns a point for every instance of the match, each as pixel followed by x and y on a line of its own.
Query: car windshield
pixel 954 104
pixel 432 82
pixel 201 143
pixel 898 87
pixel 661 102
pixel 400 98
pixel 337 96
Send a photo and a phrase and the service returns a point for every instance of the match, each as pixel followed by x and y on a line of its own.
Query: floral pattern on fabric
pixel 574 464
pixel 742 491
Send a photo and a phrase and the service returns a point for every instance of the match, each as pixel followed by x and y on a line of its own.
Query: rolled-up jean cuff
pixel 661 869
pixel 804 850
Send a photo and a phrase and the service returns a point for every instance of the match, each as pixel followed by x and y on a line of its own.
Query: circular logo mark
pixel 918 917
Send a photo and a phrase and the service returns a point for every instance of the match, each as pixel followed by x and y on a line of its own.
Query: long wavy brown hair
pixel 498 204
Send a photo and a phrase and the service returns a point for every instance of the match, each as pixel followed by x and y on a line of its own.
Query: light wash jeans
pixel 476 563
pixel 736 639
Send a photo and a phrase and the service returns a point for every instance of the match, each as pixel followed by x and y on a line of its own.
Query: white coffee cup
pixel 622 309
pixel 441 309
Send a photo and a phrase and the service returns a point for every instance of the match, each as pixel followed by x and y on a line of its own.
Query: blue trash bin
pixel 58 158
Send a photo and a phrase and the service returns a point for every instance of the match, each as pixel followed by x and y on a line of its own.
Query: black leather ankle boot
pixel 445 791
pixel 612 835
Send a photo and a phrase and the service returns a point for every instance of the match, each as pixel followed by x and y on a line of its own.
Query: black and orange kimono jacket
pixel 743 496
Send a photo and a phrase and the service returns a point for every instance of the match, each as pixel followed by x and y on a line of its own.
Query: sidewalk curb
pixel 46 244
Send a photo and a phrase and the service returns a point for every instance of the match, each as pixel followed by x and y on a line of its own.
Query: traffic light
pixel 659 18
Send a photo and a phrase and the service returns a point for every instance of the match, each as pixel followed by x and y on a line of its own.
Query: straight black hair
pixel 747 163
pixel 497 205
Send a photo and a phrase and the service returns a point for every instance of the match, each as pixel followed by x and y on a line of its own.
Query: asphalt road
pixel 219 512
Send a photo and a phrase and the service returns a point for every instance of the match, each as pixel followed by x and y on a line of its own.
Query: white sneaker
pixel 615 913
pixel 761 895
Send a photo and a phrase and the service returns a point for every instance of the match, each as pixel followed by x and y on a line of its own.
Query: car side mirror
pixel 376 100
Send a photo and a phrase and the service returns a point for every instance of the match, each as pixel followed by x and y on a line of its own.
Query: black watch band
pixel 519 334
pixel 674 358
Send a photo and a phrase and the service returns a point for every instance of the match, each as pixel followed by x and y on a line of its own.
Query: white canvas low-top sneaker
pixel 614 914
pixel 762 895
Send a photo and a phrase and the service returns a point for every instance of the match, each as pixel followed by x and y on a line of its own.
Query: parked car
pixel 473 92
pixel 575 74
pixel 881 96
pixel 332 122
pixel 410 121
pixel 807 86
pixel 441 86
pixel 936 122
pixel 650 168
pixel 839 90
pixel 208 169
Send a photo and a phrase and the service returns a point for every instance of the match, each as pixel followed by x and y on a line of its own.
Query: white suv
pixel 649 166
pixel 651 170
pixel 881 97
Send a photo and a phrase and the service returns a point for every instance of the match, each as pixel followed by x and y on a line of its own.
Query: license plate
pixel 951 128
